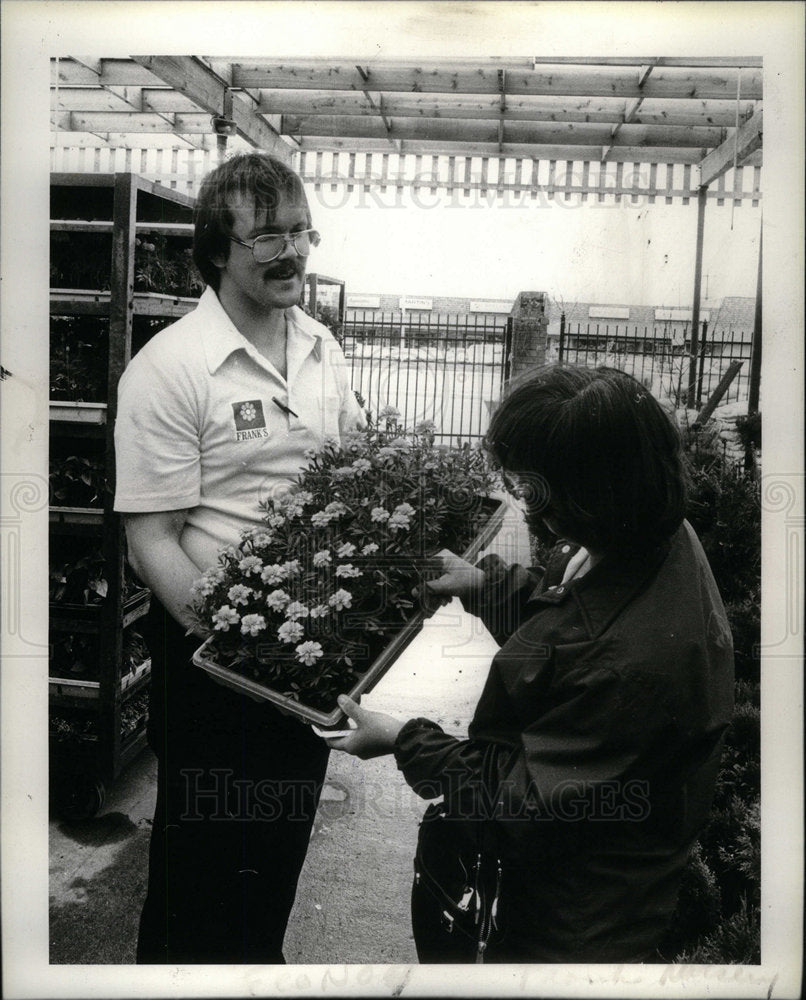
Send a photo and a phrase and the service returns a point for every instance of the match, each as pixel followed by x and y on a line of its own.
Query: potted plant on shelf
pixel 318 600
pixel 162 266
pixel 79 586
pixel 78 359
pixel 77 481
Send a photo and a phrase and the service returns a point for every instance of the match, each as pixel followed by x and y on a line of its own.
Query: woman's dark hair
pixel 593 450
pixel 251 175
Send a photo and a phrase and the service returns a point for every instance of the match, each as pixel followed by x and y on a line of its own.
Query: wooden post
pixel 121 311
pixel 701 376
pixel 717 394
pixel 755 349
pixel 702 197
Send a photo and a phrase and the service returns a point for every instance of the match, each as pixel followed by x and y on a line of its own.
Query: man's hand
pixel 374 735
pixel 458 579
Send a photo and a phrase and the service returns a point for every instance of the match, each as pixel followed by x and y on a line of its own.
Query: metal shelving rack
pixel 135 206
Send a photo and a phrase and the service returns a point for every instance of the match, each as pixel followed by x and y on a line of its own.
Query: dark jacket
pixel 608 701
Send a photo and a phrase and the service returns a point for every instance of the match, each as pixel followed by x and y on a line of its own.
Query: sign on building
pixel 489 306
pixel 608 312
pixel 357 300
pixel 679 315
pixel 414 302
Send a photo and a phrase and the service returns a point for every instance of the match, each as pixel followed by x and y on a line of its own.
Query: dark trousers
pixel 238 786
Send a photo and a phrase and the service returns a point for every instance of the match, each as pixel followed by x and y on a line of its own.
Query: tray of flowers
pixel 318 600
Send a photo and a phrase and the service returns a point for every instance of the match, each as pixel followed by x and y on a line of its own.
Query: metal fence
pixel 446 368
pixel 660 358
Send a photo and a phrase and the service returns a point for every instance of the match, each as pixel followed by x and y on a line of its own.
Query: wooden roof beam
pixel 133 140
pixel 538 151
pixel 377 107
pixel 688 62
pixel 744 142
pixel 630 111
pixel 479 106
pixel 482 78
pixel 206 89
pixel 223 69
pixel 469 130
pixel 502 88
pixel 110 72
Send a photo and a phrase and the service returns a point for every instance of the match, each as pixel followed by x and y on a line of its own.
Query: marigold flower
pixel 319 611
pixel 398 521
pixel 340 600
pixel 343 472
pixel 346 549
pixel 388 412
pixel 273 574
pixel 425 427
pixel 296 609
pixel 321 558
pixel 290 631
pixel 309 652
pixel 203 587
pixel 291 567
pixel 379 514
pixel 239 594
pixel 320 519
pixel 277 600
pixel 405 509
pixel 335 508
pixel 348 570
pixel 224 617
pixel 369 549
pixel 361 465
pixel 252 624
pixel 250 564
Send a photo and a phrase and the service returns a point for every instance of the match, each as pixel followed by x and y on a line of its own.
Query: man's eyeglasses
pixel 268 247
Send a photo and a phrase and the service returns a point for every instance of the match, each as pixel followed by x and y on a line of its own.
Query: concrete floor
pixel 357 874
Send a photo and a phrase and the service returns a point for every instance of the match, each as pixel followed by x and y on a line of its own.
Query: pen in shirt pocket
pixel 283 407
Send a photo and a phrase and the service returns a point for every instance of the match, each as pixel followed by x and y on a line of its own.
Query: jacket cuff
pixel 407 742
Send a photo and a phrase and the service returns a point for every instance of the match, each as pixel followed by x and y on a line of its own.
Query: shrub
pixel 725 510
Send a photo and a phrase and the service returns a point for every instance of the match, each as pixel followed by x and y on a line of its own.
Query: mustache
pixel 284 270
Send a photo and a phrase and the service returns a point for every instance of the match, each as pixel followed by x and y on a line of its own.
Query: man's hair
pixel 595 451
pixel 252 175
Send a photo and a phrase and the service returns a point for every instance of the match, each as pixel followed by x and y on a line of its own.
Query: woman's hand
pixel 458 579
pixel 374 735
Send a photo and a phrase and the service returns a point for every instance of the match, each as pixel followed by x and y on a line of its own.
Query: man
pixel 215 414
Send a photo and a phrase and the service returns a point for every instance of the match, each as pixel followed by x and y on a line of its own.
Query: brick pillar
pixel 529 334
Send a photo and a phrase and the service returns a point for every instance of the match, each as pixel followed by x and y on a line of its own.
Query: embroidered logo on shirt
pixel 250 421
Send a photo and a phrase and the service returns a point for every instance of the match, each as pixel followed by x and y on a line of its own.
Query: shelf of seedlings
pixel 120 269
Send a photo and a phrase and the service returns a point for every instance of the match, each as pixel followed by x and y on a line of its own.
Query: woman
pixel 591 758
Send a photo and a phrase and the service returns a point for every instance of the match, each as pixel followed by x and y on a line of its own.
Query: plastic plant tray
pixel 328 720
pixel 134 607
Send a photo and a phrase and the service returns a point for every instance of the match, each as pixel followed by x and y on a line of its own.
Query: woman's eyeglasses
pixel 268 247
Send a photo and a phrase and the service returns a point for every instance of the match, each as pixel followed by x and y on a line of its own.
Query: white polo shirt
pixel 197 426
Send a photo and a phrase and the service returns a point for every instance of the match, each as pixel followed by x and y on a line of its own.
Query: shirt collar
pixel 612 583
pixel 221 338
